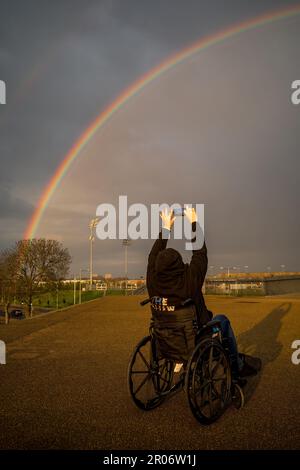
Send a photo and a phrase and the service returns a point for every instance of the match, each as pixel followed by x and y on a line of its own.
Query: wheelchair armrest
pixel 212 323
pixel 213 326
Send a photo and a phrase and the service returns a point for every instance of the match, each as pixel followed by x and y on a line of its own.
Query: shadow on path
pixel 262 341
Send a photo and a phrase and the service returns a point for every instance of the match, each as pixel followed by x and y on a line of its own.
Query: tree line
pixel 31 266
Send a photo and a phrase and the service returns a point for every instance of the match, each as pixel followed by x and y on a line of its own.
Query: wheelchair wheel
pixel 148 377
pixel 208 381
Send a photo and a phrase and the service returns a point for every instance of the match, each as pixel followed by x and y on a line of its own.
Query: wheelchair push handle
pixel 187 302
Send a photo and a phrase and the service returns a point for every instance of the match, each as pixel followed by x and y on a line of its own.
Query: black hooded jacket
pixel 170 281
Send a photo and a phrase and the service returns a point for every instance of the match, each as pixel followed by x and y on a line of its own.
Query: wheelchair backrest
pixel 175 332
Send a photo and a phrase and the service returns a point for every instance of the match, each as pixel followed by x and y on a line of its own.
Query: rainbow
pixel 133 90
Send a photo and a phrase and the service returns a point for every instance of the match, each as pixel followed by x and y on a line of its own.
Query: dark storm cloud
pixel 11 206
pixel 14 213
pixel 63 61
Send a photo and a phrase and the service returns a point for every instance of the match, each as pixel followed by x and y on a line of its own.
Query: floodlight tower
pixel 92 225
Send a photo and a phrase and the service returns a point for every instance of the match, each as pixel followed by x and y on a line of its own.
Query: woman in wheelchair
pixel 170 282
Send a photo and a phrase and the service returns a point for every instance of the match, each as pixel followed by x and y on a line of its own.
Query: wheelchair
pixel 206 377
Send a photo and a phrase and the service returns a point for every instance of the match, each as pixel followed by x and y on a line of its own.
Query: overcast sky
pixel 218 129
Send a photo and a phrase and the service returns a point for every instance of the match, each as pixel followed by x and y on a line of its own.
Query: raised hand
pixel 191 214
pixel 167 218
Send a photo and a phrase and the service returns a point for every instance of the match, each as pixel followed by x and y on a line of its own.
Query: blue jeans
pixel 228 334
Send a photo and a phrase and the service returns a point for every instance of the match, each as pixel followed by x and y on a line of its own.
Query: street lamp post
pixel 227 268
pixel 126 244
pixel 79 297
pixel 74 287
pixel 56 295
pixel 92 226
pixel 80 279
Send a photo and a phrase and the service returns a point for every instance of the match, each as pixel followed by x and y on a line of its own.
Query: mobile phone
pixel 178 211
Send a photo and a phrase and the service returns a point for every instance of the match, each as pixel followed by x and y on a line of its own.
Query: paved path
pixel 64 384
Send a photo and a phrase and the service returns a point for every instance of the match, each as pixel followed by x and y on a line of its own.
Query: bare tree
pixel 6 286
pixel 31 264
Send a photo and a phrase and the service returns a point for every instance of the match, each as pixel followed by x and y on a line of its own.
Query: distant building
pixel 282 285
pixel 107 276
pixel 273 285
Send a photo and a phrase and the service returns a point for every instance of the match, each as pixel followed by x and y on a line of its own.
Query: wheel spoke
pixel 142 383
pixel 218 395
pixel 163 379
pixel 210 361
pixel 202 370
pixel 163 369
pixel 144 360
pixel 219 361
pixel 200 389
